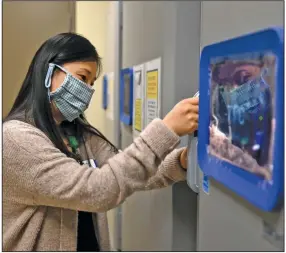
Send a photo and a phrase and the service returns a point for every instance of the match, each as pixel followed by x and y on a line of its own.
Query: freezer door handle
pixel 193 168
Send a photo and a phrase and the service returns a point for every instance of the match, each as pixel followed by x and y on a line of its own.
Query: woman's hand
pixel 184 159
pixel 183 118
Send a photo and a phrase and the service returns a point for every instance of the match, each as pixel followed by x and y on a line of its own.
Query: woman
pixel 240 97
pixel 60 175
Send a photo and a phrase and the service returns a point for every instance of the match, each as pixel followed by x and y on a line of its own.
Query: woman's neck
pixel 56 114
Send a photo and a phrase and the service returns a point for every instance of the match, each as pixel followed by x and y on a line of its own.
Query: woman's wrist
pixel 183 159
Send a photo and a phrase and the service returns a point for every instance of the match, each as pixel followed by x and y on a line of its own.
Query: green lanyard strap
pixel 73 143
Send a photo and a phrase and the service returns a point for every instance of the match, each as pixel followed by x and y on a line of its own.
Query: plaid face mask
pixel 72 98
pixel 248 98
pixel 249 113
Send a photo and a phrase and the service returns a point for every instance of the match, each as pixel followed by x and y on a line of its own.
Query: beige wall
pixel 95 21
pixel 91 22
pixel 26 25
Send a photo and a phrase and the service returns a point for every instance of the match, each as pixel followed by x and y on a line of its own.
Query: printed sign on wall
pixel 153 90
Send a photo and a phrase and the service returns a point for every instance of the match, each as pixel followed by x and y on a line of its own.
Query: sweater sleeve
pixel 169 172
pixel 169 169
pixel 224 149
pixel 37 173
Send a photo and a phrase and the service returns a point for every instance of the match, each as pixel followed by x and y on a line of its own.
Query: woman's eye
pixel 83 78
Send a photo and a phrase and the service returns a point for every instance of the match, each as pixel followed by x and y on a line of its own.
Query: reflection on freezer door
pixel 240 126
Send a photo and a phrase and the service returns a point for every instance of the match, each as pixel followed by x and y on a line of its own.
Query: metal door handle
pixel 192 172
pixel 193 167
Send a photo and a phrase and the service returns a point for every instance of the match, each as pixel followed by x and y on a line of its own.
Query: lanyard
pixel 74 145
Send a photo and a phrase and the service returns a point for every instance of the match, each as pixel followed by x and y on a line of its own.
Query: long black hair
pixel 32 103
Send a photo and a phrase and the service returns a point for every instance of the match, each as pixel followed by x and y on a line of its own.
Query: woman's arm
pixel 169 170
pixel 45 176
pixel 224 149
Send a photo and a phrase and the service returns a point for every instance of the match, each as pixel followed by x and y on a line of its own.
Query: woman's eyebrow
pixel 86 70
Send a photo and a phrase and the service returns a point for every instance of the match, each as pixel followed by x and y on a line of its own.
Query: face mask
pixel 248 99
pixel 248 111
pixel 244 116
pixel 72 98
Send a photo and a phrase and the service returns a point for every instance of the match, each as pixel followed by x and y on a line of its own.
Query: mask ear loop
pixel 61 68
pixel 48 79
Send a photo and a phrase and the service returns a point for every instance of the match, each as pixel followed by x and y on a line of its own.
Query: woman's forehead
pixel 88 66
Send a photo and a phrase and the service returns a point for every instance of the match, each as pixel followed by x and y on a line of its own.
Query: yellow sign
pixel 138 113
pixel 152 84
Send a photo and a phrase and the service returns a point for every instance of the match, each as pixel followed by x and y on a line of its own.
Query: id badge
pixel 92 163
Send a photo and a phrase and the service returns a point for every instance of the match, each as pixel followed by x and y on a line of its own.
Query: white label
pixel 138 100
